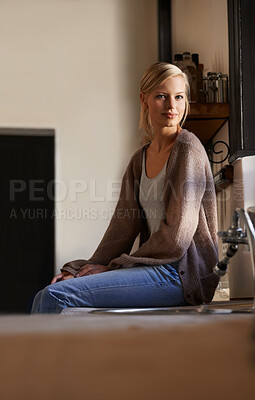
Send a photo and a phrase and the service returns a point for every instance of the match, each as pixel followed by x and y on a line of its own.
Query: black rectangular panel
pixel 27 220
pixel 164 31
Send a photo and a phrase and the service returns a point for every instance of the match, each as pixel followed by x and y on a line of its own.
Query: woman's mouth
pixel 169 115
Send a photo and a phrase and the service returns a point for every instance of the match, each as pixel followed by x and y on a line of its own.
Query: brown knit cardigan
pixel 189 232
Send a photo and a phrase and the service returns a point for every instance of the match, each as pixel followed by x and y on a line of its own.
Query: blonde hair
pixel 152 78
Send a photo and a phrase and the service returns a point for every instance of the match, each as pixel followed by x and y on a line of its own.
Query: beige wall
pixel 200 26
pixel 75 66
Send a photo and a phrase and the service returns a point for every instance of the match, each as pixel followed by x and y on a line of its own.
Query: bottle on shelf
pixel 222 88
pixel 178 60
pixel 199 71
pixel 211 88
pixel 189 67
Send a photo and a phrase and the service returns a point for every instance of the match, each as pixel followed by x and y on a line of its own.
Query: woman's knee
pixel 47 301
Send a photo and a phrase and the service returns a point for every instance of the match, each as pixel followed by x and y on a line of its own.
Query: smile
pixel 170 116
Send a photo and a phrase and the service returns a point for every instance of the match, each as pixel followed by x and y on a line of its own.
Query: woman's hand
pixel 62 277
pixel 91 269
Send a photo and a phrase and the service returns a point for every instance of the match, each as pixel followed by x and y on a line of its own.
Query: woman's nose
pixel 170 102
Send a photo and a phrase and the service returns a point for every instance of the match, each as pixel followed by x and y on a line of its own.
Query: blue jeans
pixel 143 286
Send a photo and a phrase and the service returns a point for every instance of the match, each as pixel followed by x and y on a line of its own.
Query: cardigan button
pixel 182 272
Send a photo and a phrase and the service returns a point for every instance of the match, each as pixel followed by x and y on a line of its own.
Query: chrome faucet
pixel 234 236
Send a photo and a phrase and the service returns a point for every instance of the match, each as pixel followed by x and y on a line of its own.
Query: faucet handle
pixel 234 234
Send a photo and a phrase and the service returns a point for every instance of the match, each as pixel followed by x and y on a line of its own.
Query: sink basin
pixel 231 308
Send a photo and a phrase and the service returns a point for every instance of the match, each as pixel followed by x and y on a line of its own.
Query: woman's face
pixel 166 104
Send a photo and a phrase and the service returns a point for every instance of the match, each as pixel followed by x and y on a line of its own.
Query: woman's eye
pixel 179 97
pixel 161 96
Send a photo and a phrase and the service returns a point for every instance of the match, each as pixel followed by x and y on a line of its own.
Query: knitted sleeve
pixel 123 229
pixel 185 190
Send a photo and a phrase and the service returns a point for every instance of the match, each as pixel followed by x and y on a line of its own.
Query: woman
pixel 167 196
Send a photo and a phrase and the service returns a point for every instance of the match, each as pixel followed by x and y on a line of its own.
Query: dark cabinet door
pixel 241 16
pixel 26 217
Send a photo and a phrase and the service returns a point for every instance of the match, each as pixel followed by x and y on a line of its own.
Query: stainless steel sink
pixel 231 308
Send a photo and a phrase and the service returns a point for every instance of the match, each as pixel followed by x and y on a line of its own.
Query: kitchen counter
pixel 92 356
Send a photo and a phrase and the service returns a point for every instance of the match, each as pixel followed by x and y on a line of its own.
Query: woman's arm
pixel 123 229
pixel 185 191
pixel 176 232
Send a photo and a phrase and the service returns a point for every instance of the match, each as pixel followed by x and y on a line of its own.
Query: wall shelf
pixel 206 119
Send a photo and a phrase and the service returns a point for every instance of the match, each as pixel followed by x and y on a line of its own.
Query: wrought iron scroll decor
pixel 211 150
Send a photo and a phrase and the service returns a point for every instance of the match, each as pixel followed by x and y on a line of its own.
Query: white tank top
pixel 151 197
